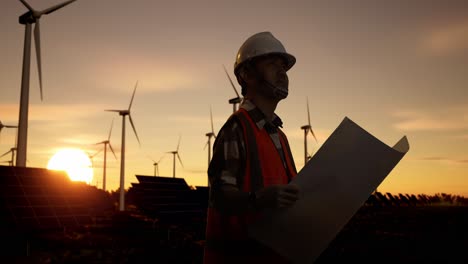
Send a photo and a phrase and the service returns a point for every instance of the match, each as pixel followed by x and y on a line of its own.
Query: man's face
pixel 273 69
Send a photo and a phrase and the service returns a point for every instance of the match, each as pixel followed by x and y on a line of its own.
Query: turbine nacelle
pixel 121 112
pixel 32 16
pixel 29 17
pixel 211 134
pixel 235 100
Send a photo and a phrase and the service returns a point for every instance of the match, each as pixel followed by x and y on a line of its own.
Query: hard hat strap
pixel 268 88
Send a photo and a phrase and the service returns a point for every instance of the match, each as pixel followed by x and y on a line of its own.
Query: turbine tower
pixel 175 153
pixel 236 100
pixel 307 128
pixel 125 113
pixel 106 142
pixel 6 126
pixel 27 19
pixel 210 135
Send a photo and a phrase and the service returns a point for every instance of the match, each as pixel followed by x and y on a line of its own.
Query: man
pixel 252 161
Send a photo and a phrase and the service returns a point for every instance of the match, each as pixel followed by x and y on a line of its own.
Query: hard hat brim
pixel 288 58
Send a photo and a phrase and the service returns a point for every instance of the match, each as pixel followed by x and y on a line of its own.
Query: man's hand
pixel 277 196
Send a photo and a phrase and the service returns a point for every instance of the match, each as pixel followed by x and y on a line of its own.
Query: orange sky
pixel 395 68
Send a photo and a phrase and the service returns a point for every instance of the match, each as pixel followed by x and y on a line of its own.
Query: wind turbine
pixel 27 19
pixel 124 113
pixel 12 151
pixel 236 100
pixel 6 126
pixel 210 135
pixel 106 142
pixel 175 153
pixel 91 156
pixel 307 128
pixel 155 164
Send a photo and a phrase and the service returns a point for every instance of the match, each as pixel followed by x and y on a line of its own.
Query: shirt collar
pixel 258 116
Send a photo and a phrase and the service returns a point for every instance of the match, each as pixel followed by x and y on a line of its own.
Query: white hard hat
pixel 261 44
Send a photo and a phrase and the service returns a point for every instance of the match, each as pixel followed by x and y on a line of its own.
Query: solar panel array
pixel 33 199
pixel 168 198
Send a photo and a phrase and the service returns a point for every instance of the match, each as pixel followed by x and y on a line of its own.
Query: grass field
pixel 389 234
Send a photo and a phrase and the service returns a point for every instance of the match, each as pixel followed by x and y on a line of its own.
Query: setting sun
pixel 75 162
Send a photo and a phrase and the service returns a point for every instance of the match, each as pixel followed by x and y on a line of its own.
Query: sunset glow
pixel 75 162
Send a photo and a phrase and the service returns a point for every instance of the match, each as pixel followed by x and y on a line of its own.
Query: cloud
pixel 444 159
pixel 49 112
pixel 62 112
pixel 449 119
pixel 447 40
pixel 152 73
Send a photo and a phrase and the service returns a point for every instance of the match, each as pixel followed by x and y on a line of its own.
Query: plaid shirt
pixel 228 162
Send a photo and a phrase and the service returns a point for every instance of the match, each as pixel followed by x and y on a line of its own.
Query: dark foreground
pixel 389 234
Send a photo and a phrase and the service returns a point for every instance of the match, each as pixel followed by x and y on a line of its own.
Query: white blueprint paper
pixel 334 184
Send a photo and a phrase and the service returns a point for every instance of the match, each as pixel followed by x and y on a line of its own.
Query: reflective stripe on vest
pixel 264 167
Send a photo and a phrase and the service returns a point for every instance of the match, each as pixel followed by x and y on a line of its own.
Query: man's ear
pixel 247 74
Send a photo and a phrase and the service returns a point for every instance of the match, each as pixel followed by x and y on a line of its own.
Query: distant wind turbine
pixel 106 142
pixel 91 156
pixel 155 164
pixel 124 113
pixel 6 126
pixel 175 153
pixel 12 151
pixel 307 128
pixel 27 19
pixel 236 100
pixel 210 135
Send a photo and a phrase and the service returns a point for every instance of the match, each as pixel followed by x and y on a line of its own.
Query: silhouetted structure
pixel 168 199
pixel 37 200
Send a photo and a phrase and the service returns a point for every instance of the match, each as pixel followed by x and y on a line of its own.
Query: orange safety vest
pixel 226 235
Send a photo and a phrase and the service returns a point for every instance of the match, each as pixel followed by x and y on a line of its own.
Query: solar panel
pixel 35 199
pixel 167 198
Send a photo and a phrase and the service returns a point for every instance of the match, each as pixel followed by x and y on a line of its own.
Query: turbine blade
pixel 118 111
pixel 232 84
pixel 178 144
pixel 308 113
pixel 37 40
pixel 27 5
pixel 149 157
pixel 11 126
pixel 311 131
pixel 58 6
pixel 160 158
pixel 110 146
pixel 211 116
pixel 134 130
pixel 133 95
pixel 97 152
pixel 178 157
pixel 110 131
pixel 5 153
pixel 206 144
